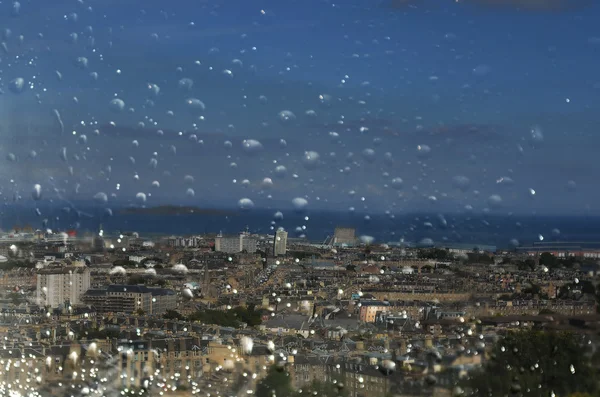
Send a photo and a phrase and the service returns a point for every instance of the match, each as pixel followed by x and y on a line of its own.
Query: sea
pixel 501 231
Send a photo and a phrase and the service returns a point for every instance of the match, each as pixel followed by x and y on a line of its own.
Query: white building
pixel 130 299
pixel 232 245
pixel 344 236
pixel 59 284
pixel 190 242
pixel 136 258
pixel 280 243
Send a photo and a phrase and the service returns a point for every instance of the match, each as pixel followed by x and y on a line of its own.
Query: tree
pixel 548 260
pixel 426 269
pixel 324 389
pixel 140 312
pixel 533 289
pixel 173 315
pixel 435 253
pixel 229 318
pixel 547 362
pixel 277 382
pixel 98 334
pixel 125 263
pixel 479 257
pixel 16 298
pixel 528 264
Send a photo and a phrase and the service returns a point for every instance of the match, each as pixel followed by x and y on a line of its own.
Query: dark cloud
pixel 529 5
pixel 534 5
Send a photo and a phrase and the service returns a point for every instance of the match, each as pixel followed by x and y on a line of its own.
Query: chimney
pixel 428 341
pixel 403 346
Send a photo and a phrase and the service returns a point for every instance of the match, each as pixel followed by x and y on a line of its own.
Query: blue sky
pixel 471 82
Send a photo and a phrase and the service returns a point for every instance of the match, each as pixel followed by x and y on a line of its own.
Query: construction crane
pixel 328 242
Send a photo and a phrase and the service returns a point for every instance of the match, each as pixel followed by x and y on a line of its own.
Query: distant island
pixel 175 210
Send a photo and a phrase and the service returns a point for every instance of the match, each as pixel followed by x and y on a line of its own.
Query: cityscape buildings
pixel 344 236
pixel 190 313
pixel 243 242
pixel 280 243
pixel 59 285
pixel 131 299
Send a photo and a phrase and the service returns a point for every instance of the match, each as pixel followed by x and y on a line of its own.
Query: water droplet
pixel 118 270
pixel 187 293
pixel 280 171
pixel 299 203
pixel 461 182
pixel 397 183
pixel 16 9
pixel 246 344
pixel 180 268
pixel 101 197
pixel 286 116
pixel 536 134
pixel 310 160
pixel 367 239
pixel 369 155
pixel 505 180
pixel 17 85
pixel 37 192
pixel 195 104
pixel 116 105
pixel 430 380
pixel 154 89
pixel 81 62
pixel 482 70
pixel 252 146
pixel 185 84
pixel 267 183
pixel 388 366
pixel 495 201
pixel 245 204
pixel 423 150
